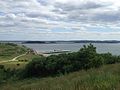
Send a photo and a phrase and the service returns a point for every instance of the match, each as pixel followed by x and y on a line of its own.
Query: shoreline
pixel 54 52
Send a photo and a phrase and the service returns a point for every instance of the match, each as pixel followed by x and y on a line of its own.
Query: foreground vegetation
pixel 91 76
pixel 104 78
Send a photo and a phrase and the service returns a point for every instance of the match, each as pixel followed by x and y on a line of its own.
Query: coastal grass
pixel 28 57
pixel 8 51
pixel 20 62
pixel 14 64
pixel 104 78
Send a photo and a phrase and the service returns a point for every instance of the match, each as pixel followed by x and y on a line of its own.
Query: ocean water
pixel 113 48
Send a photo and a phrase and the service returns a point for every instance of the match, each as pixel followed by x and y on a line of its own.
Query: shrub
pixel 89 57
pixel 35 68
pixel 85 58
pixel 1 66
pixel 109 58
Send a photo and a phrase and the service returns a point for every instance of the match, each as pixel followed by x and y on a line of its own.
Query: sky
pixel 59 20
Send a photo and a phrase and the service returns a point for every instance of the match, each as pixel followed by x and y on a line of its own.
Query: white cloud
pixel 39 19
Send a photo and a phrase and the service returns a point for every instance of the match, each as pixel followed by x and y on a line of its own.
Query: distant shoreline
pixel 62 42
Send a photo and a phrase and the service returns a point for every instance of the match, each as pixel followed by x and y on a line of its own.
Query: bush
pixel 35 68
pixel 85 58
pixel 89 57
pixel 1 66
pixel 6 74
pixel 110 59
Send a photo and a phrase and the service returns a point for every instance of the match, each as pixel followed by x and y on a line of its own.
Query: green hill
pixel 9 50
pixel 104 78
pixel 15 56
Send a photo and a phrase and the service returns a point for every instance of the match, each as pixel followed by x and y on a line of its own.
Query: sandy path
pixel 14 59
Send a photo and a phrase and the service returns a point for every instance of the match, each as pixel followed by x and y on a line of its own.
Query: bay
pixel 113 48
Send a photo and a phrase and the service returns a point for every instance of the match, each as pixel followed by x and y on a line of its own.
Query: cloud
pixel 79 6
pixel 110 16
pixel 73 19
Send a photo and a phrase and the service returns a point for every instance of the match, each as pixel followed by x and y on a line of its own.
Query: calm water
pixel 101 47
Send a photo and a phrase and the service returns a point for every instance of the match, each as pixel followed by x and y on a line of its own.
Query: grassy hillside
pixel 104 78
pixel 8 51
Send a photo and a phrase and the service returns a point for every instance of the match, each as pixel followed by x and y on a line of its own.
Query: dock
pixel 57 52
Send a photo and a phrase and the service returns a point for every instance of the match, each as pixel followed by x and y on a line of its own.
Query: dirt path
pixel 14 59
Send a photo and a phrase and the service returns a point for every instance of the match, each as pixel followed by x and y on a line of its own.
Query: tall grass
pixel 104 78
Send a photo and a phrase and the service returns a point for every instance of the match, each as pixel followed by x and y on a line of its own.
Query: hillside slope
pixel 9 50
pixel 15 56
pixel 104 78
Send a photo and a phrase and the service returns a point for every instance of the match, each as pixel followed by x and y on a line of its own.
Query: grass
pixel 20 63
pixel 104 78
pixel 14 64
pixel 28 57
pixel 9 51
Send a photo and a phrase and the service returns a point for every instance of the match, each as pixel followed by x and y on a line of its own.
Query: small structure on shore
pixel 57 51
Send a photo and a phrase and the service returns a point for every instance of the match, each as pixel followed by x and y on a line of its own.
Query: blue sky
pixel 59 20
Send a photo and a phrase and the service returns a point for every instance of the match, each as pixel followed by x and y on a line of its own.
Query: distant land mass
pixel 62 42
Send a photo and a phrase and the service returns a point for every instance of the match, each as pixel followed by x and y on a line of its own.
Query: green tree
pixel 35 68
pixel 89 57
